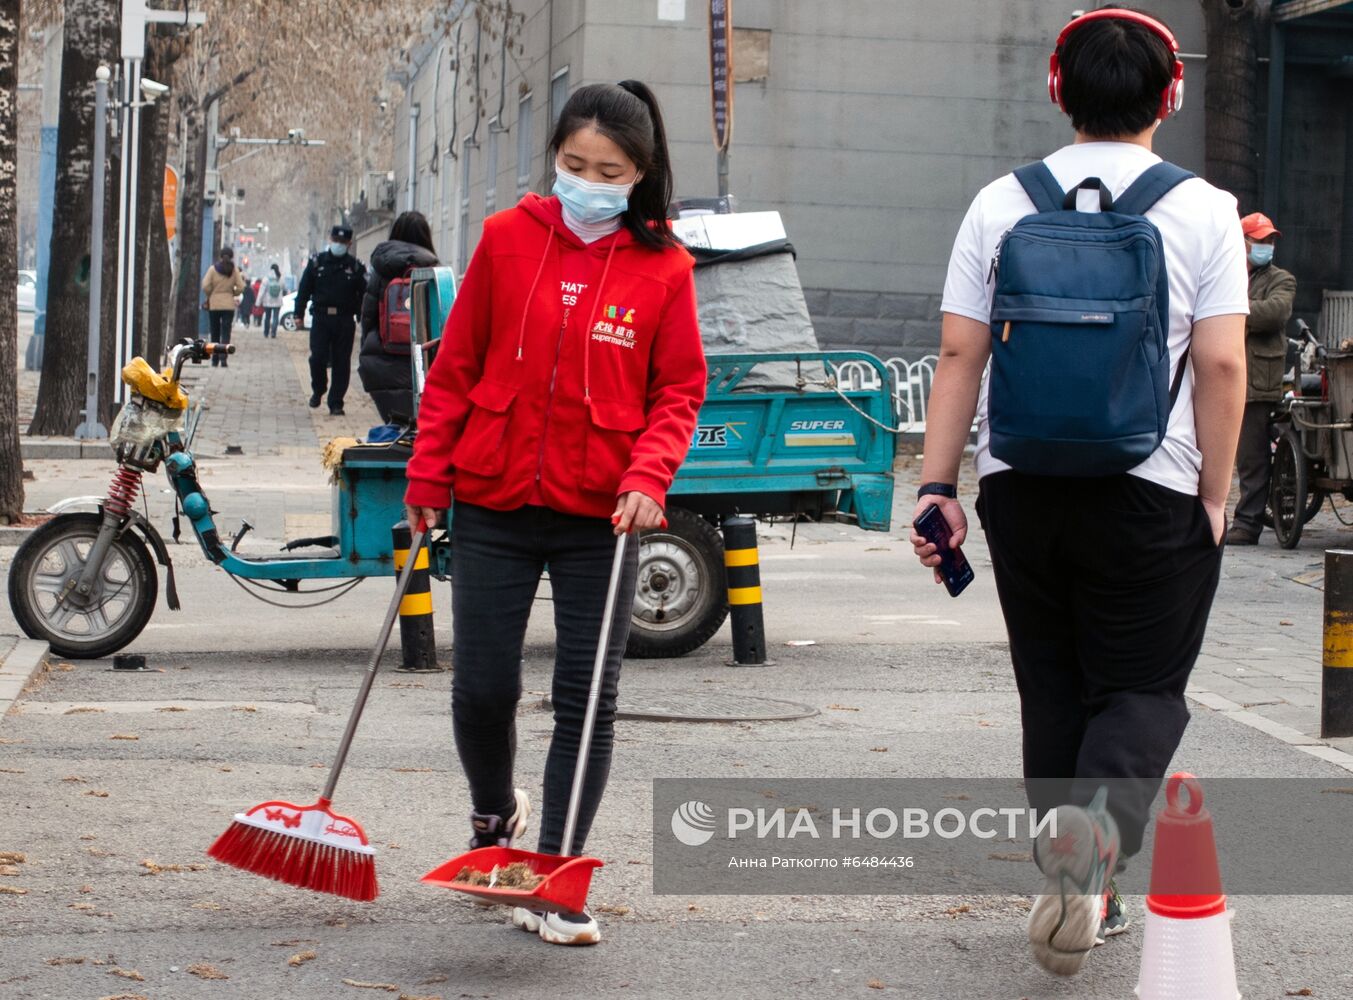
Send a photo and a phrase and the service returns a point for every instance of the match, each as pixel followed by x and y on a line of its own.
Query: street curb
pixel 10 535
pixel 1286 734
pixel 66 448
pixel 18 668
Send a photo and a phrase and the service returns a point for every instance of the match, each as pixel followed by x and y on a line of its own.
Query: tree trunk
pixel 1232 153
pixel 11 460
pixel 91 31
pixel 192 187
pixel 153 273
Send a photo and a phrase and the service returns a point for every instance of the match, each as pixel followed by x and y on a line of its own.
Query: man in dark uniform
pixel 336 280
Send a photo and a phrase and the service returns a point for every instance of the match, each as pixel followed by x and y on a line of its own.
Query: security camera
pixel 383 105
pixel 151 89
pixel 296 135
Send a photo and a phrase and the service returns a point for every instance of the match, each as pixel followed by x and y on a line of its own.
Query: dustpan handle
pixel 594 695
pixel 391 613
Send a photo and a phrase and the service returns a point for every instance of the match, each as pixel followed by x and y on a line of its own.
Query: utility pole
pixel 90 428
pixel 51 114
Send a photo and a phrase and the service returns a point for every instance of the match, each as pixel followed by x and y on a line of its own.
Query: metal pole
pixel 124 173
pixel 742 567
pixel 90 427
pixel 723 172
pixel 126 333
pixel 411 203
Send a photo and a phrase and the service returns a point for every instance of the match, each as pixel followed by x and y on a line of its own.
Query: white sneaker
pixel 494 831
pixel 1078 863
pixel 558 928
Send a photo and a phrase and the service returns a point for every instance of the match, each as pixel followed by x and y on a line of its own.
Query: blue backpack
pixel 1080 369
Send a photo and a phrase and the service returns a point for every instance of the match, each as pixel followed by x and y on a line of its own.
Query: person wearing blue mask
pixel 336 280
pixel 1271 293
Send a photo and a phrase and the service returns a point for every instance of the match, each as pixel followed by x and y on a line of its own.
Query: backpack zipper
pixel 549 404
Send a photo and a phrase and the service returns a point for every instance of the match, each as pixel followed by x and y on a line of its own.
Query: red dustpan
pixel 566 879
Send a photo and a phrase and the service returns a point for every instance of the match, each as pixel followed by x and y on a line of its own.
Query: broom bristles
pixel 297 861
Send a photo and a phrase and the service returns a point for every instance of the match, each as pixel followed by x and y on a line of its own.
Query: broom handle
pixel 594 695
pixel 406 574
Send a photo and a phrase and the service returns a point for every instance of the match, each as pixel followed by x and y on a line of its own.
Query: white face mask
pixel 591 202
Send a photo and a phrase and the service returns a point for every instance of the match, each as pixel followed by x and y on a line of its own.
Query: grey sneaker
pixel 1115 919
pixel 493 831
pixel 558 928
pixel 1077 863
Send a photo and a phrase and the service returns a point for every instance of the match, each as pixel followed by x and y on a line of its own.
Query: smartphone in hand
pixel 955 570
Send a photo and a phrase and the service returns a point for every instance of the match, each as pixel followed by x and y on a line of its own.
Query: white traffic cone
pixel 1186 954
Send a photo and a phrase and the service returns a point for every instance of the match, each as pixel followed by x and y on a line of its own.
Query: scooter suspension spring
pixel 122 491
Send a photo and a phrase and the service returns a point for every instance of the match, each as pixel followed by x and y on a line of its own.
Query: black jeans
pixel 219 322
pixel 1254 464
pixel 331 347
pixel 1105 585
pixel 497 558
pixel 270 314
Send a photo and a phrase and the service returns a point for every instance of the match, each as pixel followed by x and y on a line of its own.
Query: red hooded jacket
pixel 567 374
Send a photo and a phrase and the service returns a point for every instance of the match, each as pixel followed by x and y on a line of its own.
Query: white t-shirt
pixel 1204 259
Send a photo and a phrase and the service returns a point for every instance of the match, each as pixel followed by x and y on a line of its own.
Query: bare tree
pixel 1232 154
pixel 11 461
pixel 91 35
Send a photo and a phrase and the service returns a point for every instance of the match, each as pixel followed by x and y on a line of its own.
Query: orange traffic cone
pixel 1187 952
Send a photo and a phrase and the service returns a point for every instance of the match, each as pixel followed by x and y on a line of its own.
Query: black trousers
pixel 218 323
pixel 1105 585
pixel 496 563
pixel 1254 464
pixel 331 340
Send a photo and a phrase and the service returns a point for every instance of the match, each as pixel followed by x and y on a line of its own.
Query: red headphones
pixel 1171 99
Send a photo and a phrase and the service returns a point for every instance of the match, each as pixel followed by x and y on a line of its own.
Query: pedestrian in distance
pixel 557 411
pixel 383 360
pixel 1272 291
pixel 256 313
pixel 271 291
pixel 336 280
pixel 247 296
pixel 1107 432
pixel 222 283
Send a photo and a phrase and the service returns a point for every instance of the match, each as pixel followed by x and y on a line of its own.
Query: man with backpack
pixel 1114 319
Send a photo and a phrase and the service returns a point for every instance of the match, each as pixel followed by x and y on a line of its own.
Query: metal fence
pixel 1336 318
pixel 911 381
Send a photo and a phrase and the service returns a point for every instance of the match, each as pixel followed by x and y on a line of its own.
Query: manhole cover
pixel 711 706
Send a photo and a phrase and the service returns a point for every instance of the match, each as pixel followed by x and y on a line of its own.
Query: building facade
pixel 869 124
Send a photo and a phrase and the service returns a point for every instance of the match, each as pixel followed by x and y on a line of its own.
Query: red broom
pixel 312 847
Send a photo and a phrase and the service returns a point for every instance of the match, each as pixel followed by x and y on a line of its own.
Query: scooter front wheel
pixel 44 601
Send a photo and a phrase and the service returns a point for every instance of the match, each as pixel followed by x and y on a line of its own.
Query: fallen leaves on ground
pixel 227 770
pixel 82 906
pixel 99 852
pixel 243 708
pixel 126 996
pixel 152 868
pixel 12 890
pixel 67 961
pixel 954 911
pixel 10 770
pixel 411 996
pixel 88 836
pixel 1010 857
pixel 619 911
pixel 206 905
pixel 842 708
pixel 64 667
pixel 412 770
pixel 878 749
pixel 82 710
pixel 388 987
pixel 97 793
pixel 9 870
pixel 204 970
pixel 8 740
pixel 13 857
pixel 301 957
pixel 85 889
pixel 172 708
pixel 1305 991
pixel 74 778
pixel 875 984
pixel 124 736
pixel 1286 622
pixel 131 974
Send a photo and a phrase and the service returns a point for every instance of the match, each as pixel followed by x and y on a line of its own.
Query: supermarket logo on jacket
pixel 615 327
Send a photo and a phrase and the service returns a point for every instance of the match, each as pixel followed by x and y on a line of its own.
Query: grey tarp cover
pixel 755 306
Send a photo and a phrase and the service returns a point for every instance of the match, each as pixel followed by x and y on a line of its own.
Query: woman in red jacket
pixel 561 403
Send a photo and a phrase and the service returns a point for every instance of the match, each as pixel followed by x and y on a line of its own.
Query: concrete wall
pixel 876 125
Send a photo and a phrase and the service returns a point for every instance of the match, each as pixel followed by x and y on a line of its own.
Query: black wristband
pixel 937 490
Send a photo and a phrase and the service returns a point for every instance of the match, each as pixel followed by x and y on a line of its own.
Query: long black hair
pixel 627 113
pixel 412 227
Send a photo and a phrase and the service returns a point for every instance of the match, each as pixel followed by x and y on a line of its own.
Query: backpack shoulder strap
pixel 1154 183
pixel 1041 187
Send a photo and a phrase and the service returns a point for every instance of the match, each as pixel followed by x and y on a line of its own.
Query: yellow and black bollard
pixel 416 636
pixel 1336 683
pixel 743 567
